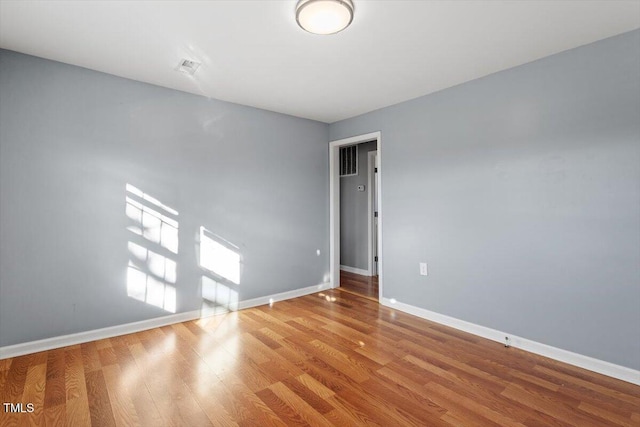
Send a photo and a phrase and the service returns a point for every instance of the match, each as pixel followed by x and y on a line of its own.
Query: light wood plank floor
pixel 366 286
pixel 331 358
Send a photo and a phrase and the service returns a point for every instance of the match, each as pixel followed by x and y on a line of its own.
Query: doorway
pixel 373 223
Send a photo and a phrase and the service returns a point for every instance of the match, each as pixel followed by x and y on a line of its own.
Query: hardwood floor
pixel 366 286
pixel 332 358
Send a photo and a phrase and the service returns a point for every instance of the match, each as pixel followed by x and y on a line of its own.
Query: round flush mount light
pixel 324 16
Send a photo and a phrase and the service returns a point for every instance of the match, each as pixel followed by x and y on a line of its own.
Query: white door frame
pixel 334 205
pixel 371 176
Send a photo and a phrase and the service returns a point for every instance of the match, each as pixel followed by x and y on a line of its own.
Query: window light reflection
pixel 219 258
pixel 151 272
pixel 217 298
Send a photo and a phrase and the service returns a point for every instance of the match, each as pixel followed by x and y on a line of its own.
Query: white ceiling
pixel 253 53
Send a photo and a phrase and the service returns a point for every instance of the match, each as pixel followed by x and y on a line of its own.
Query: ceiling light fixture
pixel 324 16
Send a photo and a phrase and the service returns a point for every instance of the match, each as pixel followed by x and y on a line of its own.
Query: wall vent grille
pixel 349 161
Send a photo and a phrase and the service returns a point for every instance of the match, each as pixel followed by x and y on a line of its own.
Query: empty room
pixel 320 212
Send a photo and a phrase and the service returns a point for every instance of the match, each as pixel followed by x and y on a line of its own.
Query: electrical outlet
pixel 423 269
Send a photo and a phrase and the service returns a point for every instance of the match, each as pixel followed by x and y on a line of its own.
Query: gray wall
pixel 354 213
pixel 70 141
pixel 522 192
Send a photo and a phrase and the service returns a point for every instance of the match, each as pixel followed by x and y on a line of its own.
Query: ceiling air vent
pixel 349 160
pixel 188 66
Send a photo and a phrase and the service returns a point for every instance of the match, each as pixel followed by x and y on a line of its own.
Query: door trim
pixel 334 206
pixel 371 176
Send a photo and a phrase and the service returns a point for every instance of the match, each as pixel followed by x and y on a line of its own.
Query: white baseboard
pixel 129 328
pixel 354 270
pixel 96 334
pixel 283 296
pixel 600 366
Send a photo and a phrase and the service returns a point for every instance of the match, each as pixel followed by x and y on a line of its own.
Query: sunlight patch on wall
pixel 217 298
pixel 151 271
pixel 150 277
pixel 221 262
pixel 219 256
pixel 152 200
pixel 152 225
